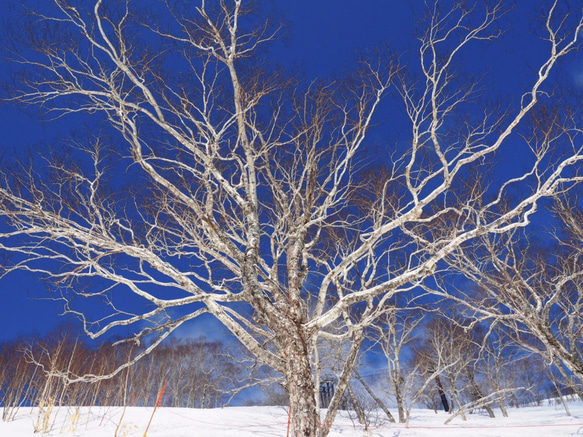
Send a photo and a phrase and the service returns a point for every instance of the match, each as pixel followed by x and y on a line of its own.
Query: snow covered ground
pixel 543 421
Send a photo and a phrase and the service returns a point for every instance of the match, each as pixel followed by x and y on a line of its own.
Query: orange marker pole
pixel 158 403
pixel 288 420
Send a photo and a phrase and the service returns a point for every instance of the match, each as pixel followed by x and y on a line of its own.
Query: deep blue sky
pixel 322 39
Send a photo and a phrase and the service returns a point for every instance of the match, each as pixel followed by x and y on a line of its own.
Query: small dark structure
pixel 327 388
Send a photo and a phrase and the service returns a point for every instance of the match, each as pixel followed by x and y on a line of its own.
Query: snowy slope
pixel 540 421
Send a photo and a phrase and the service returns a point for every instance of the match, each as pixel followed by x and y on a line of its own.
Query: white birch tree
pixel 237 192
pixel 531 285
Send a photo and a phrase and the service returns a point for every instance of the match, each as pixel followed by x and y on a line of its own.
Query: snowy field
pixel 543 421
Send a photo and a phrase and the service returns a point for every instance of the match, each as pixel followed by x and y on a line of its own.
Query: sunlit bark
pixel 534 293
pixel 244 196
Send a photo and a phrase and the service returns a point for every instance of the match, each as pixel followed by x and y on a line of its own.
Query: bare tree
pixel 378 401
pixel 444 357
pixel 396 331
pixel 425 376
pixel 534 291
pixel 240 193
pixel 17 379
pixel 499 355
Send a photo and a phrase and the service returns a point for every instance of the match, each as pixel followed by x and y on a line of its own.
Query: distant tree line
pixel 196 373
pixel 430 361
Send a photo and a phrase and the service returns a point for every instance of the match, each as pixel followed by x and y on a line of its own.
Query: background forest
pixel 414 360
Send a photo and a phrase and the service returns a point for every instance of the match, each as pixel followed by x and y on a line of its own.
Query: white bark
pixel 249 205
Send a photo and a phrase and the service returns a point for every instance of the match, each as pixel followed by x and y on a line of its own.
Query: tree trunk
pixel 343 380
pixel 379 402
pixel 442 395
pixel 479 394
pixel 398 389
pixel 357 408
pixel 455 400
pixel 568 379
pixel 300 387
pixel 498 387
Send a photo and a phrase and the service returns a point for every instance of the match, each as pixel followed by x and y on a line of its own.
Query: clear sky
pixel 321 41
pixel 321 38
